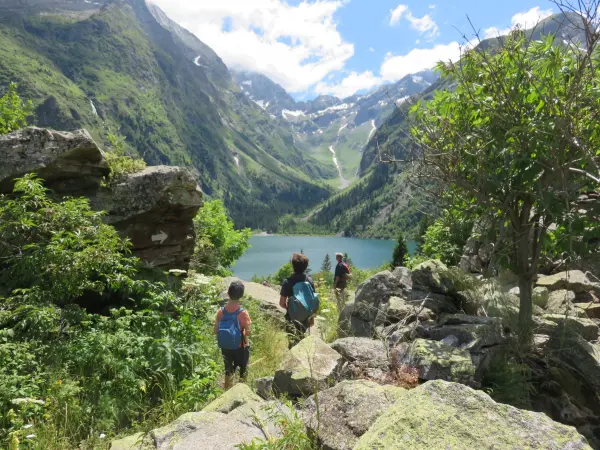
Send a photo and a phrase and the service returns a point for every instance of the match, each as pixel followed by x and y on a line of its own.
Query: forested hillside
pixel 123 67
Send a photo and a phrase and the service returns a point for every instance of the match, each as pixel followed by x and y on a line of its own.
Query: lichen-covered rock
pixel 363 351
pixel 238 395
pixel 138 441
pixel 561 302
pixel 350 324
pixel 308 367
pixel 437 303
pixel 576 352
pixel 586 328
pixel 540 296
pixel 442 415
pixel 573 280
pixel 375 292
pixel 429 276
pixel 264 387
pixel 69 162
pixel 436 360
pixel 470 336
pixel 154 209
pixel 399 309
pixel 346 411
pixel 213 430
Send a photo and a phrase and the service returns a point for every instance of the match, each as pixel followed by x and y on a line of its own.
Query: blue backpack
pixel 229 335
pixel 304 303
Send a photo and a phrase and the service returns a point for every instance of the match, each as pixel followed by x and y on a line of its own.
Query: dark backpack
pixel 304 303
pixel 229 335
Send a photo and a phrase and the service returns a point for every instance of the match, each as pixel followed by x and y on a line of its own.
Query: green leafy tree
pixel 13 111
pixel 346 258
pixel 518 136
pixel 55 252
pixel 218 243
pixel 446 237
pixel 400 252
pixel 326 266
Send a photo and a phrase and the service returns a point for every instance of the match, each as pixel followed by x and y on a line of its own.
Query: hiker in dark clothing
pixel 295 329
pixel 342 275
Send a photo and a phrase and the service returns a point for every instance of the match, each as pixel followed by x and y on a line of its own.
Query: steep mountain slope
pixel 124 66
pixel 332 130
pixel 383 202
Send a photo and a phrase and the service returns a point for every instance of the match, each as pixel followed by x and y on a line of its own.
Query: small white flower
pixel 326 311
pixel 29 425
pixel 102 436
pixel 321 318
pixel 30 436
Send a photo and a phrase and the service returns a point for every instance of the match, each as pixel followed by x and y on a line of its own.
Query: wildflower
pixel 102 435
pixel 29 425
pixel 326 311
pixel 20 401
pixel 30 436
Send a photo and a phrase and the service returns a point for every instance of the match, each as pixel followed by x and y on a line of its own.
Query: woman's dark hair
pixel 236 290
pixel 299 262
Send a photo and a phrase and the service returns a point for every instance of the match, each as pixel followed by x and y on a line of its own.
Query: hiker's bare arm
pixel 283 302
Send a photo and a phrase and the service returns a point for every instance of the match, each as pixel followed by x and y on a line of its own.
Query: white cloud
pixel 397 13
pixel 525 19
pixel 351 84
pixel 296 46
pixel 395 67
pixel 424 24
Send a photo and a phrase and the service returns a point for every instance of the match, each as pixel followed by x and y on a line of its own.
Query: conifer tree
pixel 400 252
pixel 326 266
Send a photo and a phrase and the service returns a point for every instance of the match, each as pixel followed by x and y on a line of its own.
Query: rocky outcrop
pixel 573 280
pixel 153 208
pixel 436 360
pixel 441 415
pixel 69 163
pixel 362 351
pixel 429 276
pixel 574 350
pixel 235 397
pixel 342 414
pixel 307 368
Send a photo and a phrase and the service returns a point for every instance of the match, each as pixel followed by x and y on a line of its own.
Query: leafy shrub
pixel 67 374
pixel 218 244
pixel 445 239
pixel 119 162
pixel 13 111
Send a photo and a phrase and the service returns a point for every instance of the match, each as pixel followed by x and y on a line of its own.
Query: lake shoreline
pixel 339 235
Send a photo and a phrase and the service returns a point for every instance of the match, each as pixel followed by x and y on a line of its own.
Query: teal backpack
pixel 304 303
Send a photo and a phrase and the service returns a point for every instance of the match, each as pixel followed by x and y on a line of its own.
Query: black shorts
pixel 236 358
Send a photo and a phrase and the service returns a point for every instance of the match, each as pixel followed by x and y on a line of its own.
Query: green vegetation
pixel 13 111
pixel 400 253
pixel 218 244
pixel 119 162
pixel 87 348
pixel 517 136
pixel 326 266
pixel 446 237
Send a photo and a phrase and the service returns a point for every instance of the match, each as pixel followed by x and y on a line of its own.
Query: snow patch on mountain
pixel 287 112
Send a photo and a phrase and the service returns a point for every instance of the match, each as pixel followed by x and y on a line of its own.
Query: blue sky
pixel 342 47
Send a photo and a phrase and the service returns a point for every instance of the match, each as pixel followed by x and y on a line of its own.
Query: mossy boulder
pixel 430 276
pixel 307 368
pixel 573 280
pixel 235 397
pixel 442 415
pixel 138 441
pixel 347 411
pixel 586 328
pixel 436 360
pixel 363 351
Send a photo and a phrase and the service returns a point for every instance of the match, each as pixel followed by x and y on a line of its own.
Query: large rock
pixel 350 324
pixel 366 352
pixel 346 411
pixel 400 310
pixel 235 397
pixel 430 276
pixel 436 360
pixel 138 441
pixel 437 303
pixel 441 415
pixel 375 292
pixel 576 352
pixel 586 328
pixel 154 209
pixel 561 302
pixel 573 280
pixel 268 298
pixel 70 163
pixel 307 368
pixel 470 335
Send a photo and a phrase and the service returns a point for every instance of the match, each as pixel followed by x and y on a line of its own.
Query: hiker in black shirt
pixel 295 329
pixel 342 274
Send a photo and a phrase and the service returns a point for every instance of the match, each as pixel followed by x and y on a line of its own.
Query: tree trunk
pixel 526 307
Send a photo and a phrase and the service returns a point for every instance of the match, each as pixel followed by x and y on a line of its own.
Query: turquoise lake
pixel 269 253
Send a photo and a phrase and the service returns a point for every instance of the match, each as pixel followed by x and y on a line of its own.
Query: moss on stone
pixel 235 397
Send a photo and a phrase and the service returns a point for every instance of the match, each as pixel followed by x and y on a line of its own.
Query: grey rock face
pixel 70 163
pixel 363 351
pixel 573 280
pixel 154 209
pixel 307 368
pixel 429 276
pixel 346 412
